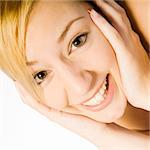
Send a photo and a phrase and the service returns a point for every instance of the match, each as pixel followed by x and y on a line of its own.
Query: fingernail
pixel 89 10
pixel 94 13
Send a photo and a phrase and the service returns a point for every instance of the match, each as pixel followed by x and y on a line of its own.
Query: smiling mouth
pixel 102 98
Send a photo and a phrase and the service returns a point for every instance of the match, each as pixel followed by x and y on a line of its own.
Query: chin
pixel 115 114
pixel 112 111
pixel 113 117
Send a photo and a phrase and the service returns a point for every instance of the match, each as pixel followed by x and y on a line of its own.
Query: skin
pixel 140 9
pixel 126 55
pixel 85 68
pixel 105 135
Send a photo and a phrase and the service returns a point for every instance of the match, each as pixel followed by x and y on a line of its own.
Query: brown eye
pixel 40 76
pixel 78 41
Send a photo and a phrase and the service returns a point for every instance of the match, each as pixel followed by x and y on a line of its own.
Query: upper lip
pixel 94 92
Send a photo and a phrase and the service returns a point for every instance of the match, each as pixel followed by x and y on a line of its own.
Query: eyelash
pixel 77 37
pixel 35 75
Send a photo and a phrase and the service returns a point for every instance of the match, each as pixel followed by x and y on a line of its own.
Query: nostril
pixel 85 83
pixel 90 79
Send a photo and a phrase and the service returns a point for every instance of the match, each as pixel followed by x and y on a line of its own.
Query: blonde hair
pixel 14 16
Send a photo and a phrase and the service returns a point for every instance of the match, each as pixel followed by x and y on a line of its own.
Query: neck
pixel 134 118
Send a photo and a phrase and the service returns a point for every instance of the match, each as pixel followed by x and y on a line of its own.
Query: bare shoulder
pixel 145 132
pixel 135 119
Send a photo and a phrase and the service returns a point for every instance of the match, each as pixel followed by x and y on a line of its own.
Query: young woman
pixel 72 65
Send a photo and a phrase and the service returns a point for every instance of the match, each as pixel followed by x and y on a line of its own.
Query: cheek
pixel 104 50
pixel 104 54
pixel 54 95
pixel 100 54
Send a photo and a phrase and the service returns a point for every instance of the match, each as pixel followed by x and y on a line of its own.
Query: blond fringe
pixel 14 16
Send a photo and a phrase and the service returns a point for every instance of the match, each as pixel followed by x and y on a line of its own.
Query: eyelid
pixel 78 34
pixel 69 46
pixel 35 73
pixel 40 70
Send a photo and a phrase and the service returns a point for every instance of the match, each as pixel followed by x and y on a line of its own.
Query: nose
pixel 76 81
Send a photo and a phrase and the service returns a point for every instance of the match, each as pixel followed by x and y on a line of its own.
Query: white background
pixel 22 128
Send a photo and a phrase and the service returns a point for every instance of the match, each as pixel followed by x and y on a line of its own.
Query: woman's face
pixel 70 59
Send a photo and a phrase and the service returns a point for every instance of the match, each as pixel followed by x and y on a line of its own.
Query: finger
pixel 71 110
pixel 115 5
pixel 84 126
pixel 115 14
pixel 120 10
pixel 52 114
pixel 108 30
pixel 48 112
pixel 29 100
pixel 75 123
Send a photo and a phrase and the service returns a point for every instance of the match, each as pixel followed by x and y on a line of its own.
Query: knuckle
pixel 122 15
pixel 123 22
pixel 125 28
pixel 122 11
pixel 135 35
pixel 116 35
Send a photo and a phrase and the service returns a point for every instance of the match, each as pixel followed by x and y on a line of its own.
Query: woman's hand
pixel 85 127
pixel 133 61
pixel 100 134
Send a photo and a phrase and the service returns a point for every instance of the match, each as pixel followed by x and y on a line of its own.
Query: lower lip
pixel 107 100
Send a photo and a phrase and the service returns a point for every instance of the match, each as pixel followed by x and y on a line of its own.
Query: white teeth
pixel 102 91
pixel 104 85
pixel 105 95
pixel 91 102
pixel 99 97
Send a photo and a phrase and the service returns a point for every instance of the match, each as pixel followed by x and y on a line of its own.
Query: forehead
pixel 48 19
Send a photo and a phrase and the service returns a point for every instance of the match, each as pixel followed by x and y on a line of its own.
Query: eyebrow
pixel 61 37
pixel 30 63
pixel 64 33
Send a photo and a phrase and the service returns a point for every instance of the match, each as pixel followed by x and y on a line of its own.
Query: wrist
pixel 117 137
